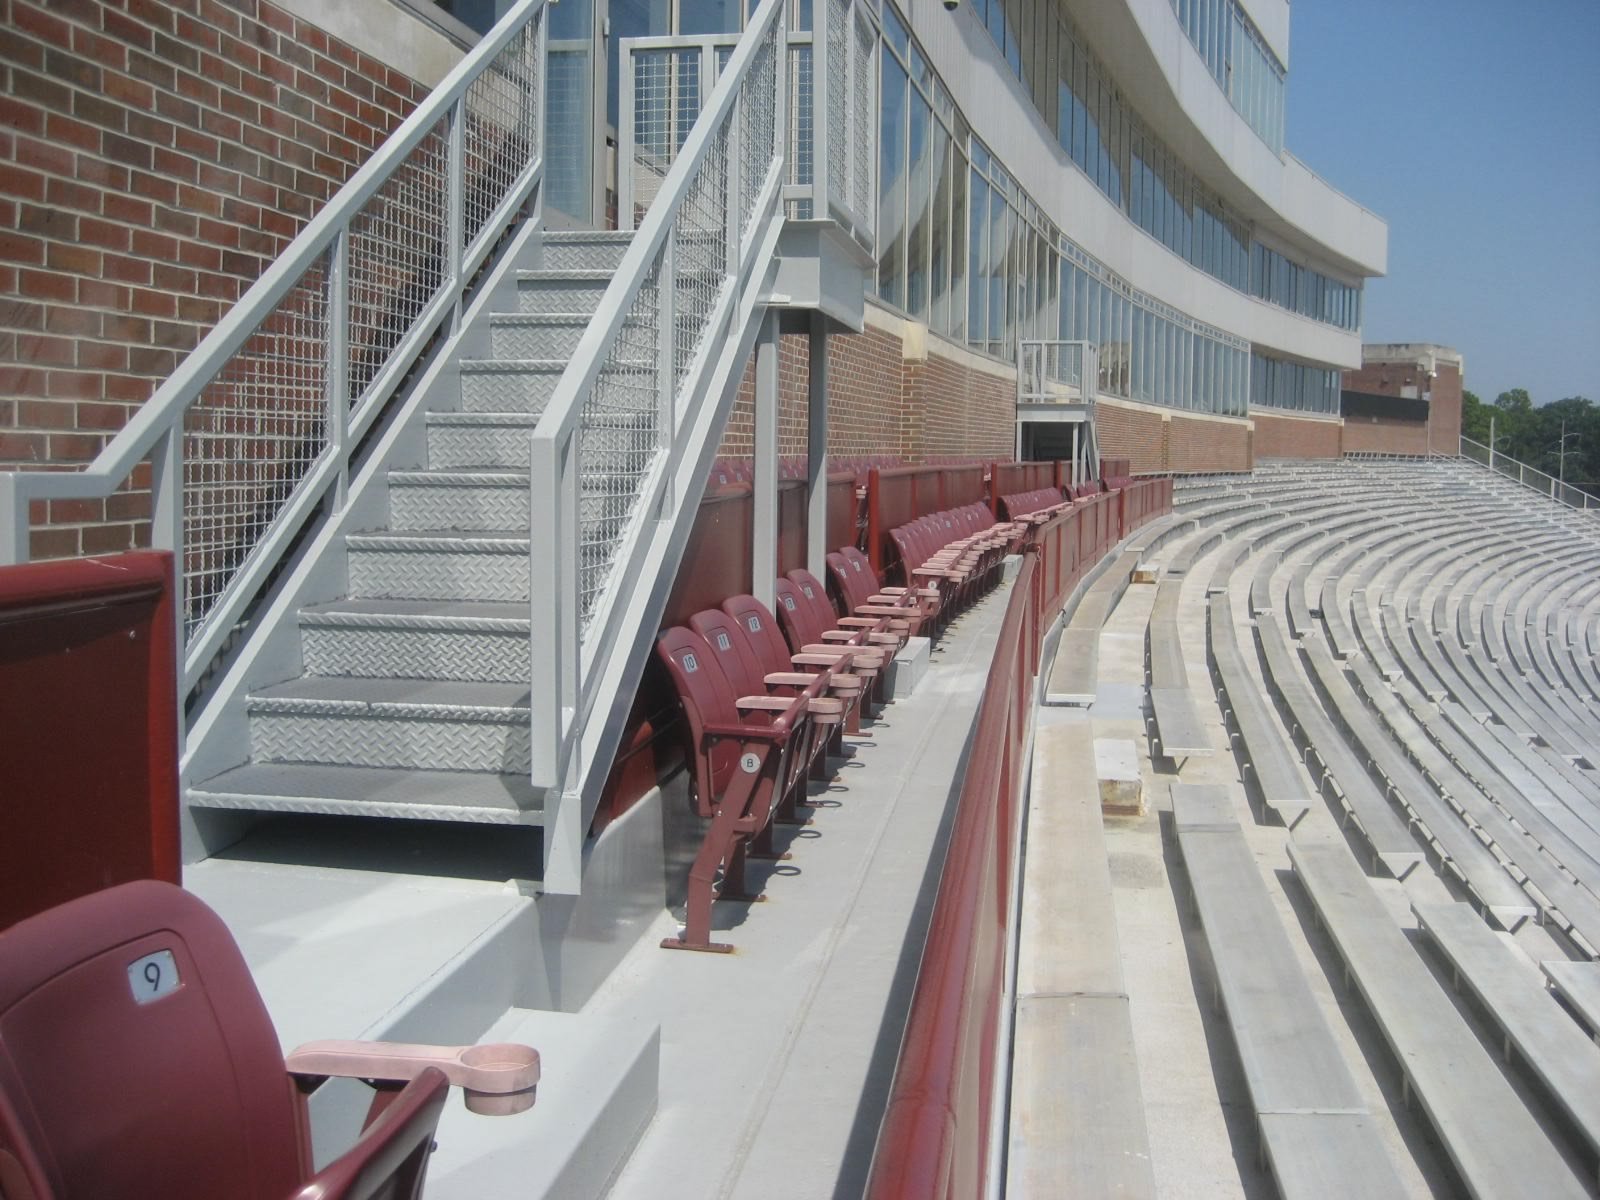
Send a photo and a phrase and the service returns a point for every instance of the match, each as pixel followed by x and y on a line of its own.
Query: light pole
pixel 1561 451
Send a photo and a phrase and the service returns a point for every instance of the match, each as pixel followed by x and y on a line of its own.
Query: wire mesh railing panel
pixel 618 439
pixel 758 132
pixel 255 432
pixel 838 129
pixel 666 104
pixel 863 122
pixel 801 167
pixel 700 256
pixel 397 260
pixel 500 136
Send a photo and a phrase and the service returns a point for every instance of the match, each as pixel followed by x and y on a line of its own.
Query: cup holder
pixel 499 1078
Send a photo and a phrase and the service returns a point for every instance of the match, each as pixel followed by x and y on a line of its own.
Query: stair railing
pixel 259 422
pixel 1528 477
pixel 629 409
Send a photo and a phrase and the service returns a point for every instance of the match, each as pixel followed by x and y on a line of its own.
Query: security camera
pixel 951 5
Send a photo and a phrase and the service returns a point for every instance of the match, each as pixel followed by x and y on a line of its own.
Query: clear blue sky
pixel 1473 128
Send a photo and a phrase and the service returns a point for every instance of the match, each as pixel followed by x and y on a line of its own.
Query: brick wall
pixel 1445 409
pixel 1134 433
pixel 1385 435
pixel 1202 444
pixel 155 157
pixel 1279 436
pixel 882 402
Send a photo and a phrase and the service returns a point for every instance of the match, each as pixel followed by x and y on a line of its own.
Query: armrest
pixel 498 1078
pixel 769 703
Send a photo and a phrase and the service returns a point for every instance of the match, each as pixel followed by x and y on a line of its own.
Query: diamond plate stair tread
pixel 487 478
pixel 417 614
pixel 537 320
pixel 510 420
pixel 557 275
pixel 471 365
pixel 358 695
pixel 452 541
pixel 404 793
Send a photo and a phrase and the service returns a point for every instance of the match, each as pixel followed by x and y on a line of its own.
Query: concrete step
pixel 439 565
pixel 584 250
pixel 406 723
pixel 418 639
pixel 406 794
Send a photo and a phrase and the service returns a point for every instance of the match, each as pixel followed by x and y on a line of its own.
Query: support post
pixel 817 450
pixel 1077 476
pixel 764 476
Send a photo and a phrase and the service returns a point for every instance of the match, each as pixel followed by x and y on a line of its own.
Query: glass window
pixel 978 259
pixel 920 150
pixel 892 184
pixel 939 265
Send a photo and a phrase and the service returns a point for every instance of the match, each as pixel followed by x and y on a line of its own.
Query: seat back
pixel 797 618
pixel 761 631
pixel 136 1057
pixel 848 582
pixel 733 650
pixel 815 597
pixel 708 699
pixel 861 565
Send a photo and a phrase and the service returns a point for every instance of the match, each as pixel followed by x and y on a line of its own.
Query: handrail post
pixel 455 222
pixel 14 525
pixel 545 590
pixel 166 533
pixel 338 370
pixel 666 354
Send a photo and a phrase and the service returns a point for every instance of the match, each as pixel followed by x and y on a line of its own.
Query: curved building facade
pixel 1113 174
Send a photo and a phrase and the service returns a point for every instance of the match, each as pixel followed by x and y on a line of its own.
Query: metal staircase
pixel 428 482
pixel 414 699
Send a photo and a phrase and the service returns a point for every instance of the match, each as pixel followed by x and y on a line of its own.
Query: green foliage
pixel 1534 434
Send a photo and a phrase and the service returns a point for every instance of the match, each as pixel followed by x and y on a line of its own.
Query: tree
pixel 1474 418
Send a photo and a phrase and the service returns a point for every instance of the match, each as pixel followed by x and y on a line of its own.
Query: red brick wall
pixel 1198 444
pixel 1445 418
pixel 155 156
pixel 1295 437
pixel 879 403
pixel 1137 434
pixel 1384 435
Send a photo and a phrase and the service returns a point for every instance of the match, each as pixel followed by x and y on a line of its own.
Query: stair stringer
pixel 644 589
pixel 219 731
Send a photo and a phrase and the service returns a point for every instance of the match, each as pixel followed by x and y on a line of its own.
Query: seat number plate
pixel 153 976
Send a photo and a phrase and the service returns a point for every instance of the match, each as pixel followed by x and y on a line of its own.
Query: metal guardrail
pixel 1528 477
pixel 666 82
pixel 259 422
pixel 628 410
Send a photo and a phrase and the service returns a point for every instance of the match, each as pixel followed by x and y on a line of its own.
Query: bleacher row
pixel 1410 648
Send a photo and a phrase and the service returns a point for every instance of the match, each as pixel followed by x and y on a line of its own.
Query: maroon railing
pixel 934 1144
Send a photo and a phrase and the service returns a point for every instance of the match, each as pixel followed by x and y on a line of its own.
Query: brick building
pixel 1404 399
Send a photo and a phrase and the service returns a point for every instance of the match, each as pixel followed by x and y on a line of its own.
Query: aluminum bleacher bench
pixel 1262 750
pixel 1578 983
pixel 1316 1133
pixel 1473 862
pixel 1382 828
pixel 1566 1062
pixel 1178 727
pixel 1498 1148
pixel 1077 1123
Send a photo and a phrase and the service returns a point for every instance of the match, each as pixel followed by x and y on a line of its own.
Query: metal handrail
pixel 1529 477
pixel 629 405
pixel 392 253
